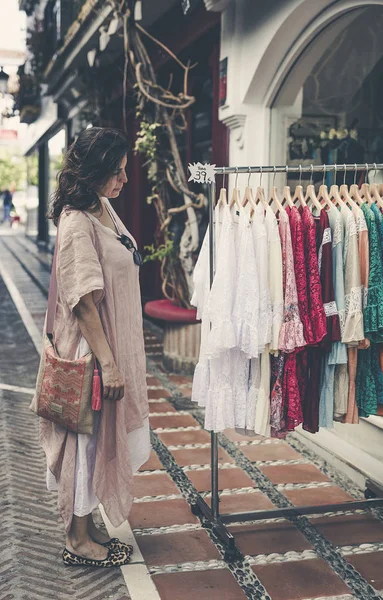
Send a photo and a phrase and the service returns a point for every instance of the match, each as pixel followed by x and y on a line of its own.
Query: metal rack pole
pixel 299 169
pixel 214 440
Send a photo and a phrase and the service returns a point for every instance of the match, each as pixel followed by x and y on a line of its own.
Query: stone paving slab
pixel 276 560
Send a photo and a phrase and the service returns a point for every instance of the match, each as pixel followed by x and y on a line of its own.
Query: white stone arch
pixel 309 23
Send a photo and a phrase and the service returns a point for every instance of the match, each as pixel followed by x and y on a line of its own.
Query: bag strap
pixel 53 292
pixel 53 296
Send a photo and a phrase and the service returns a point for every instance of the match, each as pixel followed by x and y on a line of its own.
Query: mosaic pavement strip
pixel 262 442
pixel 268 559
pixel 157 498
pixel 149 472
pixel 188 446
pixel 189 566
pixel 158 401
pixel 221 466
pixel 176 429
pixel 302 486
pixel 361 549
pixel 240 568
pixel 325 550
pixel 169 529
pixel 343 597
pixel 168 414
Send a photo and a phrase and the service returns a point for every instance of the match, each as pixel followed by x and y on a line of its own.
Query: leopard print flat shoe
pixel 114 559
pixel 116 545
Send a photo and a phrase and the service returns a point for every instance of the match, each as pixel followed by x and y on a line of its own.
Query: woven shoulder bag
pixel 67 391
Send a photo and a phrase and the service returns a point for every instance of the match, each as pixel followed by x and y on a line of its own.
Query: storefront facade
pixel 193 34
pixel 303 87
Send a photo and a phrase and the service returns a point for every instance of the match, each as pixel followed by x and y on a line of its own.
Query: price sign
pixel 201 173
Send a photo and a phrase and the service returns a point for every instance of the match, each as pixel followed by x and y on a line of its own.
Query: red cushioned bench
pixel 165 310
pixel 182 336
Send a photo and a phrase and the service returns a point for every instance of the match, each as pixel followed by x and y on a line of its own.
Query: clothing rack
pixel 373 492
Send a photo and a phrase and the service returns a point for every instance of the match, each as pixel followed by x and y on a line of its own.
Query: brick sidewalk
pixel 337 555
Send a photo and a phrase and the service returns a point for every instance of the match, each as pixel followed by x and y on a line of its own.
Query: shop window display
pixel 338 115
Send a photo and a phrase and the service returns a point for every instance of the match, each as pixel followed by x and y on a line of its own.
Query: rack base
pixel 373 494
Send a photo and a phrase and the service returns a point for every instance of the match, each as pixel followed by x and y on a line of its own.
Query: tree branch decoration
pixel 162 115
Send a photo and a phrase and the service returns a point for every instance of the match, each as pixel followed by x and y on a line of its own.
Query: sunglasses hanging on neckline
pixel 127 242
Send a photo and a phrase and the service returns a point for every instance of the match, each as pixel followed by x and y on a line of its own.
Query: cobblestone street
pixel 337 556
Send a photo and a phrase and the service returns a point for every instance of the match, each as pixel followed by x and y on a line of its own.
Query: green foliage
pixel 147 140
pixel 164 250
pixel 32 164
pixel 13 172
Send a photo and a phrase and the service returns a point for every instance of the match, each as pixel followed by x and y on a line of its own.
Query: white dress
pixel 275 274
pixel 246 308
pixel 201 280
pixel 85 500
pixel 258 400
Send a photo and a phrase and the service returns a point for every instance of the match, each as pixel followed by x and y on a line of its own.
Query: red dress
pixel 324 251
pixel 297 239
pixel 313 241
pixel 293 376
pixel 286 405
pixel 317 313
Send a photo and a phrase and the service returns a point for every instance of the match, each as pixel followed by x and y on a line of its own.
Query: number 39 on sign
pixel 201 173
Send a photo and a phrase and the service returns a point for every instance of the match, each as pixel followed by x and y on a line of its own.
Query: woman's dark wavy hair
pixel 91 160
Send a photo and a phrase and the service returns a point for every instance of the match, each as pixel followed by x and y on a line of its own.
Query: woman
pixel 98 307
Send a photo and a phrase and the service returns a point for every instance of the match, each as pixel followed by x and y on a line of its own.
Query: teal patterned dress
pixel 369 378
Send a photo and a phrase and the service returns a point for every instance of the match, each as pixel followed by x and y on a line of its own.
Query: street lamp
pixel 3 81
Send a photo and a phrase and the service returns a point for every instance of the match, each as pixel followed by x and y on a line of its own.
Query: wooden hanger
pixel 260 193
pixel 375 196
pixel 324 195
pixel 354 191
pixel 298 194
pixel 222 200
pixel 323 192
pixel 345 195
pixel 235 195
pixel 286 194
pixel 365 193
pixel 335 196
pixel 311 196
pixel 260 196
pixel 274 199
pixel 248 197
pixel 365 189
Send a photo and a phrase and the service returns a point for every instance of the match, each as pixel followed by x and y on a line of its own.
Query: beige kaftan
pixel 92 259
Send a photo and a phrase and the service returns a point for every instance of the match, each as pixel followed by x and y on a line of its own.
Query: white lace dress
pixel 258 399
